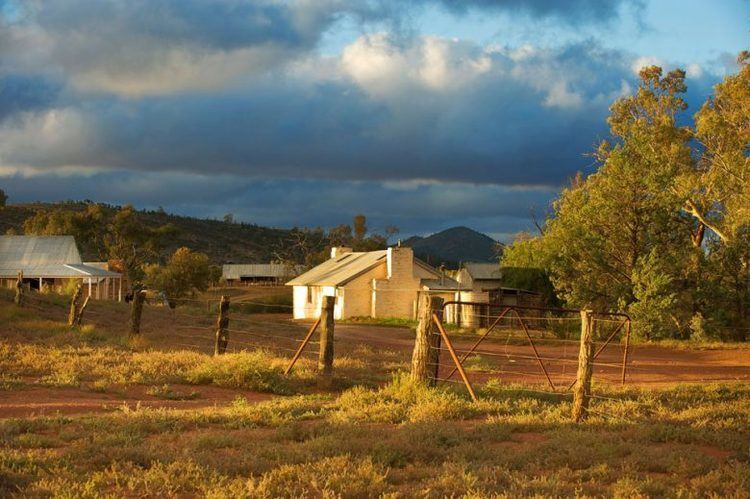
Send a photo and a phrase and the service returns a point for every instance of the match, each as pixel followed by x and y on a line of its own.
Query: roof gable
pixel 239 270
pixel 484 271
pixel 341 269
pixel 28 252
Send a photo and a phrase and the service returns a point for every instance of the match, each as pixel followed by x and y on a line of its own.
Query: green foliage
pixel 659 230
pixel 88 226
pixel 118 235
pixel 726 288
pixel 133 243
pixel 719 190
pixel 655 300
pixel 360 227
pixel 3 198
pixel 524 265
pixel 185 273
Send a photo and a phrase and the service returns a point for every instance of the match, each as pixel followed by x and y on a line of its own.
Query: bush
pixel 185 273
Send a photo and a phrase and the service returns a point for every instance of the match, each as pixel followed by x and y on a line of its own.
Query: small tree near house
pixel 185 273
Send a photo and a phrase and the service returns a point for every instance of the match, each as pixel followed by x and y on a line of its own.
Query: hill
pixel 453 246
pixel 222 241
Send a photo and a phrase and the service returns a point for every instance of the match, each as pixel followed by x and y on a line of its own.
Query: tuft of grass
pixel 400 401
pixel 686 441
pixel 257 370
pixel 168 393
pixel 338 476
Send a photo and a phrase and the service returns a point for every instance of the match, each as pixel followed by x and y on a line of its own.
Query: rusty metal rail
pixel 514 311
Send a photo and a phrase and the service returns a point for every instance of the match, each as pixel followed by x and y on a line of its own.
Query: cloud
pixel 24 93
pixel 164 101
pixel 644 62
pixel 572 11
pixel 386 109
pixel 139 48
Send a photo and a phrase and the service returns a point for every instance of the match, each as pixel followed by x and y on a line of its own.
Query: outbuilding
pixel 52 263
pixel 483 283
pixel 259 274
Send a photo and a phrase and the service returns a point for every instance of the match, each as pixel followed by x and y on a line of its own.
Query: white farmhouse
pixel 383 284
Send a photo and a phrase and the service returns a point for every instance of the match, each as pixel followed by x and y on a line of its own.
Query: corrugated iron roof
pixel 45 256
pixel 89 270
pixel 442 284
pixel 239 270
pixel 340 270
pixel 484 270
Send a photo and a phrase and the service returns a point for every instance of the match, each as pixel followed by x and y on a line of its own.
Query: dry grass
pixel 392 440
pixel 401 440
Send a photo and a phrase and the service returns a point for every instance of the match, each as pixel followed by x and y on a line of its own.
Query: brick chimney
pixel 400 262
pixel 337 251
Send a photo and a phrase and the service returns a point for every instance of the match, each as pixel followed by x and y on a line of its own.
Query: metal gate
pixel 528 344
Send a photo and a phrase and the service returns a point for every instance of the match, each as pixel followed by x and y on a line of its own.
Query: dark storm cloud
pixel 215 24
pixel 24 93
pixel 413 207
pixel 520 119
pixel 573 11
pixel 195 105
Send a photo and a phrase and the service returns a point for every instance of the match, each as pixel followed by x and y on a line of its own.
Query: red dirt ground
pixel 40 401
pixel 647 365
pixel 511 362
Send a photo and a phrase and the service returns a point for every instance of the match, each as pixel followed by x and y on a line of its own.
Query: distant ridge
pixel 223 242
pixel 453 246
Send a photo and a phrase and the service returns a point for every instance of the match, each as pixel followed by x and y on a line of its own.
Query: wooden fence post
pixel 582 390
pixel 222 327
pixel 73 313
pixel 136 309
pixel 325 354
pixel 425 358
pixel 79 313
pixel 19 289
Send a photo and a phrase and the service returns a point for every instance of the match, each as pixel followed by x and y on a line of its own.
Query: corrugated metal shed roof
pixel 44 256
pixel 484 270
pixel 239 270
pixel 89 270
pixel 442 284
pixel 340 270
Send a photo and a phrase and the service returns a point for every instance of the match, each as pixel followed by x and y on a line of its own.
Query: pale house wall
pixel 302 309
pixel 305 308
pixel 358 293
pixel 396 295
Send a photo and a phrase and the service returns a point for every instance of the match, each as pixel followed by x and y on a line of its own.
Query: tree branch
pixel 693 210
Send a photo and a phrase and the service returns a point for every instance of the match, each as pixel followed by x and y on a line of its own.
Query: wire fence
pixel 536 348
pixel 524 344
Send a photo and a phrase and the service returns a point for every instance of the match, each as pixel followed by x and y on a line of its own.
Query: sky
pixel 423 114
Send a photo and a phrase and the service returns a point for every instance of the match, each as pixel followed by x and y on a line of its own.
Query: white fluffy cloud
pixel 384 68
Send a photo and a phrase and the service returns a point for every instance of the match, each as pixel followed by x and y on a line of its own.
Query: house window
pixel 309 294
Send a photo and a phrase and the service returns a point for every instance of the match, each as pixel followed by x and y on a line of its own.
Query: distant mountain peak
pixel 453 246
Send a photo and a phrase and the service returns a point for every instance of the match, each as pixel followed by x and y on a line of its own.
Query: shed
pixel 269 274
pixel 50 262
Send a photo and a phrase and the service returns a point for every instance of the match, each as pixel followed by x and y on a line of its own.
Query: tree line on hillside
pixel 312 246
pixel 662 229
pixel 120 236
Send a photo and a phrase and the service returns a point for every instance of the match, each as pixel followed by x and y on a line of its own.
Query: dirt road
pixel 516 362
pixel 497 358
pixel 40 401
